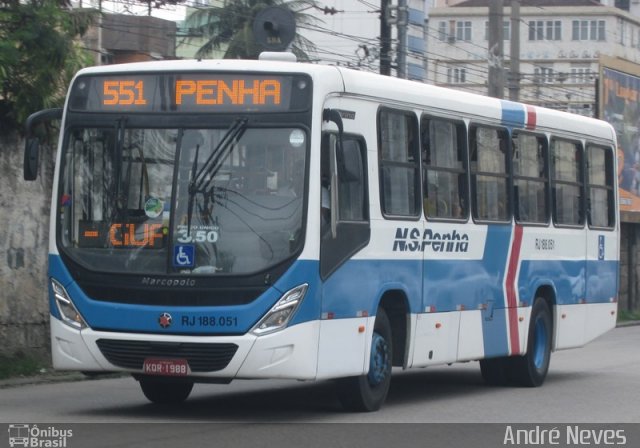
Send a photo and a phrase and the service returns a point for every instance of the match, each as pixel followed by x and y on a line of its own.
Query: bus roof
pixel 450 102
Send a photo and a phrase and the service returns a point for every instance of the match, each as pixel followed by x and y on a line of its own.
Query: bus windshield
pixel 182 201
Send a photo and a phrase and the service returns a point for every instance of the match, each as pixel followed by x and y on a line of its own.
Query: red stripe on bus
pixel 531 117
pixel 512 303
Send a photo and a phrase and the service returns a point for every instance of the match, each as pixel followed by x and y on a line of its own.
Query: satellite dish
pixel 274 28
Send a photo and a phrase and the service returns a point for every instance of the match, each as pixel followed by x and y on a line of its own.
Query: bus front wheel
pixel 366 393
pixel 162 391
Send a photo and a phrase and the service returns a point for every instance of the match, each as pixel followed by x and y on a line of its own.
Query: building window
pixel 399 163
pixel 553 30
pixel 416 72
pixel 415 44
pixel 543 75
pixel 444 156
pixel 463 31
pixel 416 17
pixel 581 75
pixel 588 30
pixel 506 30
pixel 456 75
pixel 545 30
pixel 442 31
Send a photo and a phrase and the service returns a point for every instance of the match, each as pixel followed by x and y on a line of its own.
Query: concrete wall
pixel 24 236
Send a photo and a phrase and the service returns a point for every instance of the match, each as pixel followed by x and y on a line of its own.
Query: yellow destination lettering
pixel 208 92
pixel 184 88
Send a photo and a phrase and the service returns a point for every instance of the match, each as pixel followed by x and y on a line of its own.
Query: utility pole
pixel 514 53
pixel 385 39
pixel 496 49
pixel 402 23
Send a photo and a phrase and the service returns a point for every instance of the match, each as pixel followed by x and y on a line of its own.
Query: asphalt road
pixel 597 384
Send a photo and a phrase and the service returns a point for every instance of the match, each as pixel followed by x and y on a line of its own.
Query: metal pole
pixel 514 53
pixel 496 49
pixel 385 39
pixel 402 38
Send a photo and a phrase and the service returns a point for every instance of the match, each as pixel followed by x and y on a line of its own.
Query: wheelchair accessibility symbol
pixel 183 256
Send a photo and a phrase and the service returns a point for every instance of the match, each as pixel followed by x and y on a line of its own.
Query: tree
pixel 38 56
pixel 232 24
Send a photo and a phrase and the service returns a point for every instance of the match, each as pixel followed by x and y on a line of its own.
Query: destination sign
pixel 200 92
pixel 121 235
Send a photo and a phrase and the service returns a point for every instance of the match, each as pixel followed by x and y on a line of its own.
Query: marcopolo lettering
pixel 171 282
pixel 413 240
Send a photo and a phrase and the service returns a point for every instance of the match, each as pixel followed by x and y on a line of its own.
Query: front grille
pixel 202 357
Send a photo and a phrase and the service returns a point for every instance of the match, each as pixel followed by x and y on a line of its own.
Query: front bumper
pixel 290 353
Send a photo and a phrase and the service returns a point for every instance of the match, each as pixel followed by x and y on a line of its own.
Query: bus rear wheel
pixel 531 369
pixel 366 393
pixel 164 391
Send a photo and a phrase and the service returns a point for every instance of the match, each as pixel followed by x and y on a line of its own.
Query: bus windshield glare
pixel 182 201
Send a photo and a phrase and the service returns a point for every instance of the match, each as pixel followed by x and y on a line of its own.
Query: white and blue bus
pixel 223 219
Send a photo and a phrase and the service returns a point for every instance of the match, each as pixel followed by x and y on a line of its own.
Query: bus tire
pixel 531 369
pixel 163 391
pixel 366 393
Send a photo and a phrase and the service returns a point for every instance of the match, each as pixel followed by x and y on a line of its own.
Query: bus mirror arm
pixel 334 116
pixel 32 145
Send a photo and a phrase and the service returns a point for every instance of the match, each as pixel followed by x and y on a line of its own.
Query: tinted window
pixel 444 162
pixel 566 174
pixel 530 180
pixel 489 149
pixel 399 175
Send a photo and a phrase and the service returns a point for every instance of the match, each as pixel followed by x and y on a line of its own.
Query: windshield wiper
pixel 199 180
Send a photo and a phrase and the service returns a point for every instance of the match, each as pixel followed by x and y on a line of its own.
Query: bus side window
pixel 530 179
pixel 566 175
pixel 352 197
pixel 601 185
pixel 444 168
pixel 489 150
pixel 351 186
pixel 399 161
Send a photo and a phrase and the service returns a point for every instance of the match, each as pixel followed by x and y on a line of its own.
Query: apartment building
pixel 561 42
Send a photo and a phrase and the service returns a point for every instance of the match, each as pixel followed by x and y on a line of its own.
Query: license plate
pixel 166 367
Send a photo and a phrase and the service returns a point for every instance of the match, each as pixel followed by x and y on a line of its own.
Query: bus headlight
pixel 67 309
pixel 279 315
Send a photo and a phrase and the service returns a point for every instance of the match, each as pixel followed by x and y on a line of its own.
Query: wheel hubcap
pixel 540 347
pixel 380 363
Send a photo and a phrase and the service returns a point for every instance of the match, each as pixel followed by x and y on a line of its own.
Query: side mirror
pixel 31 158
pixel 32 146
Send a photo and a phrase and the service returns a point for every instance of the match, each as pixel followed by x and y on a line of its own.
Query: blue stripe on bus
pixel 513 114
pixel 144 318
pixel 358 284
pixel 494 326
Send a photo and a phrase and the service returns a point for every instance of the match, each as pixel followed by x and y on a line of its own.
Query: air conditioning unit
pixel 451 39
